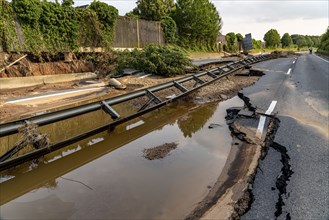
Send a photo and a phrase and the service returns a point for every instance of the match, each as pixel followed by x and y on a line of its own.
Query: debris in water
pixel 159 152
pixel 214 126
pixel 31 136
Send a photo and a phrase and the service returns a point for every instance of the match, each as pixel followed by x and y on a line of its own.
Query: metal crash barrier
pixel 106 105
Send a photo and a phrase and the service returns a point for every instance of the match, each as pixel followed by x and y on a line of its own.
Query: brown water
pixel 107 177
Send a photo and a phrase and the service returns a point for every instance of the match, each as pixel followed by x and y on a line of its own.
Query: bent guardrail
pixel 51 117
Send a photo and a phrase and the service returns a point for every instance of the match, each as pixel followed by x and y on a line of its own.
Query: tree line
pixel 273 40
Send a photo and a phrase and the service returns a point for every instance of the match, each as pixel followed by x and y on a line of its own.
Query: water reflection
pixel 95 184
pixel 195 120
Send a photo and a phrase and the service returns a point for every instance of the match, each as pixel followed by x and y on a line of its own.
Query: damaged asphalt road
pixel 292 179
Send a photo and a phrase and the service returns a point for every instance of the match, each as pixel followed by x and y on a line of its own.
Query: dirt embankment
pixel 28 67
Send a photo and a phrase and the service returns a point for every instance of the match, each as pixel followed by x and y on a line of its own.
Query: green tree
pixel 286 40
pixel 239 38
pixel 153 10
pixel 316 40
pixel 231 38
pixel 309 41
pixel 257 44
pixel 27 11
pixel 170 29
pixel 324 44
pixel 294 38
pixel 301 41
pixel 198 23
pixel 107 15
pixel 67 3
pixel 133 14
pixel 272 38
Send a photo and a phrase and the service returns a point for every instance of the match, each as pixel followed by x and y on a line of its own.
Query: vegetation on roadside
pixel 166 61
pixel 324 43
pixel 305 40
pixel 169 29
pixel 286 40
pixel 191 24
pixel 54 27
pixel 272 38
pixel 198 24
pixel 293 42
pixel 152 10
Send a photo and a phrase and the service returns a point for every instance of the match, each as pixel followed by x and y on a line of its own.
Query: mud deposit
pixel 106 175
pixel 159 152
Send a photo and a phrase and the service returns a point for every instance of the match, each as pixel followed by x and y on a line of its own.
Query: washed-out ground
pixel 223 89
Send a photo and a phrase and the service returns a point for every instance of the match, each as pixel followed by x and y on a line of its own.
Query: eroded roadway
pixel 300 87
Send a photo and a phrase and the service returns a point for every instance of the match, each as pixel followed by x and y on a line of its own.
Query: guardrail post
pixel 211 75
pixel 109 110
pixel 180 87
pixel 197 80
pixel 220 70
pixel 152 98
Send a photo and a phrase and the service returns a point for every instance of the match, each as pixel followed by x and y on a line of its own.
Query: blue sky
pixel 308 17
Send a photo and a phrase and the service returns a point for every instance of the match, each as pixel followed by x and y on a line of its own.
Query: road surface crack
pixel 238 131
pixel 283 178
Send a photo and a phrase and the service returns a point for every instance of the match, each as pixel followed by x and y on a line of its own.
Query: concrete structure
pixel 20 82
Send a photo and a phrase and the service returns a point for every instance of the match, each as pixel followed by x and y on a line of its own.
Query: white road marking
pixel 141 77
pixel 322 58
pixel 289 71
pixel 294 61
pixel 50 95
pixel 262 119
pixel 128 127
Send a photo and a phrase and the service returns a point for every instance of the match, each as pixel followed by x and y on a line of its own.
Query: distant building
pixel 82 6
pixel 221 40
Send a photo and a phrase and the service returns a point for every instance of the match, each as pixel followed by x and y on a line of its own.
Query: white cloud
pixel 257 17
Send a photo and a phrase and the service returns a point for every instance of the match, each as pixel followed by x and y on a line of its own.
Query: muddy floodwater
pixel 107 177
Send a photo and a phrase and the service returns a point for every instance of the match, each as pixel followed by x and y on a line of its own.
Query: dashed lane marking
pixel 51 95
pixel 288 73
pixel 262 119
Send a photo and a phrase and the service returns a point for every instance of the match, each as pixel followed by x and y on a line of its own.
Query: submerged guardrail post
pixel 109 110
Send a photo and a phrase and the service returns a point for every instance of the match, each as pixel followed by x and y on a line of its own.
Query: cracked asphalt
pixel 302 107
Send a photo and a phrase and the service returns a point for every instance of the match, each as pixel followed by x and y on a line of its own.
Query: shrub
pixel 160 60
pixel 169 29
pixel 107 15
pixel 48 26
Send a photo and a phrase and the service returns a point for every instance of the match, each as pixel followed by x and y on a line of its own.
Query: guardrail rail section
pixel 6 160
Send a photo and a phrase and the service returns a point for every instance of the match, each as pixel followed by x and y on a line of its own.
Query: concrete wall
pixel 128 33
pixel 20 82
